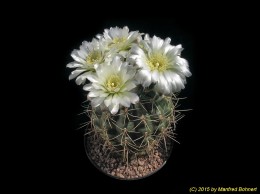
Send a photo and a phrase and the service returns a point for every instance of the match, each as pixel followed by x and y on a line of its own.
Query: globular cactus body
pixel 136 130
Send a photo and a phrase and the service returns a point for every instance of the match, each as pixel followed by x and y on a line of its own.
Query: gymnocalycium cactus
pixel 132 83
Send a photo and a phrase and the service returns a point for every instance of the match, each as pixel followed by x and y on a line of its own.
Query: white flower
pixel 87 59
pixel 160 63
pixel 120 39
pixel 112 84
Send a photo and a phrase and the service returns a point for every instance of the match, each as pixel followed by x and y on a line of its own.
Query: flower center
pixel 119 43
pixel 113 82
pixel 93 57
pixel 118 40
pixel 157 61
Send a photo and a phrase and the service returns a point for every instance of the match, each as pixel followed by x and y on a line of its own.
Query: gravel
pixel 136 168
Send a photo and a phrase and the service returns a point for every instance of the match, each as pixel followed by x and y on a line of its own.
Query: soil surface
pixel 136 168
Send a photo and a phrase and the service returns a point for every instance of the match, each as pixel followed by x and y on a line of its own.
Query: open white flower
pixel 160 63
pixel 87 59
pixel 120 39
pixel 112 84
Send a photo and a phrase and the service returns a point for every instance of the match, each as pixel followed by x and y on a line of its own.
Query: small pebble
pixel 140 168
pixel 120 175
pixel 141 162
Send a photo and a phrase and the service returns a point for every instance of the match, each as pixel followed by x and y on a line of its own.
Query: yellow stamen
pixel 113 82
pixel 93 57
pixel 158 61
pixel 118 40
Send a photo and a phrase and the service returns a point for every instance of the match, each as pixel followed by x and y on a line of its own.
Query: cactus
pixel 136 130
pixel 132 83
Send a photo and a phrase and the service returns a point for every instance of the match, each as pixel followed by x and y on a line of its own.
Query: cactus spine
pixel 136 130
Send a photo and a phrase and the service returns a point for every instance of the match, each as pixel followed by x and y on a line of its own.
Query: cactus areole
pixel 132 83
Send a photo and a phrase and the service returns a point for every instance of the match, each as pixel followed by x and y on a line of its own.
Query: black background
pixel 218 137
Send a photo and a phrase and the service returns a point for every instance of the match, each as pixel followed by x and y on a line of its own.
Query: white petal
pixel 99 36
pixel 155 76
pixel 146 45
pixel 76 57
pixel 125 68
pixel 124 100
pixel 97 86
pixel 82 54
pixel 74 65
pixel 168 76
pixel 132 97
pixel 133 36
pixel 87 87
pixel 141 62
pixel 183 64
pixel 137 52
pixel 82 78
pixel 108 101
pixel 97 93
pixel 167 41
pixel 125 31
pixel 95 66
pixel 144 77
pixel 117 89
pixel 85 45
pixel 103 94
pixel 75 73
pixel 94 93
pixel 178 81
pixel 128 72
pixel 113 32
pixel 114 108
pixel 128 86
pixel 156 43
pixel 106 35
pixel 123 53
pixel 92 78
pixel 116 62
pixel 147 37
pixel 95 102
pixel 177 50
pixel 167 48
pixel 115 99
pixel 164 84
